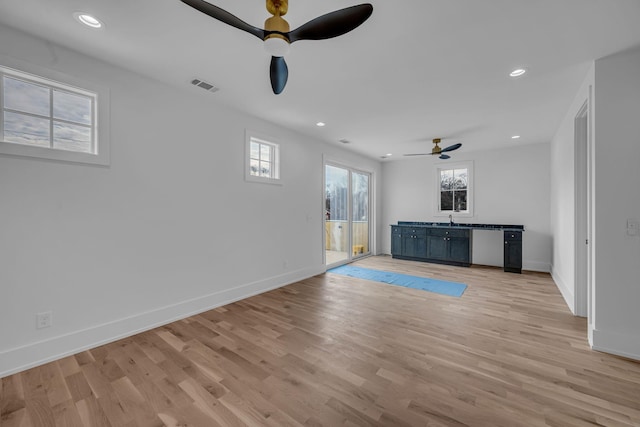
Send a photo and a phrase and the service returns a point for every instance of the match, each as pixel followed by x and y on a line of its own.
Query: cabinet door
pixel 459 249
pixel 420 246
pixel 396 243
pixel 409 245
pixel 437 247
pixel 513 251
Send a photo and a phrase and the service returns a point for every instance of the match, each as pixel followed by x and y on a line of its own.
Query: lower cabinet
pixel 513 251
pixel 396 241
pixel 452 245
pixel 414 243
pixel 449 246
pixel 439 245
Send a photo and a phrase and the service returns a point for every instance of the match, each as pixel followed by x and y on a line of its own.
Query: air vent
pixel 204 85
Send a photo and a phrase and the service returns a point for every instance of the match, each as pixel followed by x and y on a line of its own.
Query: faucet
pixel 450 219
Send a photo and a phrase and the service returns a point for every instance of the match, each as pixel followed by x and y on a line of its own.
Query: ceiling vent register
pixel 204 85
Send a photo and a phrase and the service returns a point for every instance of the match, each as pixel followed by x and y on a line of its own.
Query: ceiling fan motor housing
pixel 276 23
pixel 436 149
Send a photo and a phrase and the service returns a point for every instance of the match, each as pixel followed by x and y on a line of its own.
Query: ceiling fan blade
pixel 279 73
pixel 417 154
pixel 444 156
pixel 451 148
pixel 332 24
pixel 224 16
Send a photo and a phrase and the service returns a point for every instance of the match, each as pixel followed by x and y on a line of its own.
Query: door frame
pixel 350 168
pixel 583 189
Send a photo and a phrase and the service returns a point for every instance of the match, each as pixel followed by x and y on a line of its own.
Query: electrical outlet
pixel 44 320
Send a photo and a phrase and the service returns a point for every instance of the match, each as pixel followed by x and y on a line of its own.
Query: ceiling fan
pixel 437 151
pixel 277 35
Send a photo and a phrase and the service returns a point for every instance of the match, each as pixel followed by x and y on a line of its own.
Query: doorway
pixel 346 214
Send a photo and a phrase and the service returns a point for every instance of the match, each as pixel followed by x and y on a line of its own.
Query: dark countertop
pixel 508 227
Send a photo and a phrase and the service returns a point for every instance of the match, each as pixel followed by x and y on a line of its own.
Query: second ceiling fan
pixel 277 35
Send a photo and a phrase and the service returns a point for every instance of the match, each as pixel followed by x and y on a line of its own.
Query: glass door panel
pixel 360 213
pixel 336 215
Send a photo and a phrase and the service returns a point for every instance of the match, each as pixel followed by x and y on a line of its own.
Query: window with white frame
pixel 41 117
pixel 262 160
pixel 454 189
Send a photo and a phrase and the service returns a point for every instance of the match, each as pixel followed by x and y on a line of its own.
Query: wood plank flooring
pixel 337 351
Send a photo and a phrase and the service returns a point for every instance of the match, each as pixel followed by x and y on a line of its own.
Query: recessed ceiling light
pixel 389 155
pixel 320 124
pixel 515 137
pixel 345 141
pixel 517 72
pixel 88 20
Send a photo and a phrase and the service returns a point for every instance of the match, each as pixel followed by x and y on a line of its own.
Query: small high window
pixel 45 118
pixel 262 160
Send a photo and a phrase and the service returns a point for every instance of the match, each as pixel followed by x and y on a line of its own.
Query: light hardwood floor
pixel 336 351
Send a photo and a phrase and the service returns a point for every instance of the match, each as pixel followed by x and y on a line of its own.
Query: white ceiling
pixel 416 70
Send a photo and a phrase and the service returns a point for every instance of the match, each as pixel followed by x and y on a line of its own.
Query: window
pixel 454 185
pixel 44 118
pixel 262 160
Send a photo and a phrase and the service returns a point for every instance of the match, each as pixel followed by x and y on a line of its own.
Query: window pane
pixel 23 129
pixel 446 180
pixel 460 201
pixel 265 152
pixel 28 97
pixel 72 137
pixel 265 169
pixel 255 167
pixel 460 179
pixel 71 107
pixel 255 151
pixel 446 200
pixel 337 182
pixel 360 194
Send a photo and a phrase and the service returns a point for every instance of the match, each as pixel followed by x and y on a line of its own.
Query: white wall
pixel 511 187
pixel 616 323
pixel 170 228
pixel 563 197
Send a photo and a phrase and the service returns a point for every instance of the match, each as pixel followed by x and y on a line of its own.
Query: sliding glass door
pixel 347 225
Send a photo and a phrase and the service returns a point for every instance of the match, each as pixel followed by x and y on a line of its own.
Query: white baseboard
pixel 20 358
pixel 566 292
pixel 543 267
pixel 625 345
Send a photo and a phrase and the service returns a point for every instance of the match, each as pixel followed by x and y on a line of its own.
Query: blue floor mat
pixel 432 285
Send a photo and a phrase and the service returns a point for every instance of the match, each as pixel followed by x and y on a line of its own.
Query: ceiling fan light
pixel 276 46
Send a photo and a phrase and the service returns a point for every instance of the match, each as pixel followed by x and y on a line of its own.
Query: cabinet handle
pixel 506 243
pixel 444 238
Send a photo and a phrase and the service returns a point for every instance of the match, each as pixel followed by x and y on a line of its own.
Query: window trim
pixel 264 139
pixel 56 79
pixel 436 199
